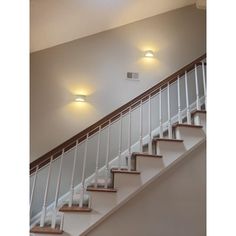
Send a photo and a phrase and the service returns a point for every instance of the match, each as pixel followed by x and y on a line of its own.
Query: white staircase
pixel 128 175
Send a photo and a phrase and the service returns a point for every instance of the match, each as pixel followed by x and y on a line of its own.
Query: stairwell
pixel 101 192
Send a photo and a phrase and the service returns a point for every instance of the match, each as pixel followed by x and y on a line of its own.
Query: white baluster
pixel 187 100
pixel 129 142
pixel 141 126
pixel 82 192
pixel 97 157
pixel 204 82
pixel 43 212
pixel 62 222
pixel 120 142
pixel 179 103
pixel 107 156
pixel 197 89
pixel 72 175
pixel 149 126
pixel 54 215
pixel 33 187
pixel 160 115
pixel 169 115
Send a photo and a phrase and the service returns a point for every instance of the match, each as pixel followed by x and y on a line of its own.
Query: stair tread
pixel 198 111
pixel 99 189
pixel 74 208
pixel 135 154
pixel 124 171
pixel 168 140
pixel 46 230
pixel 187 125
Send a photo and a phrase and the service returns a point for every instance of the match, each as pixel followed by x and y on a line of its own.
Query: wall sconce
pixel 80 98
pixel 149 53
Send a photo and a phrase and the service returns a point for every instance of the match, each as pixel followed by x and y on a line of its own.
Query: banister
pixel 81 136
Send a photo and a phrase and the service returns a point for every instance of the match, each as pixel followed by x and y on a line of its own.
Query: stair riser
pixel 149 167
pixel 170 151
pixel 191 136
pixel 126 185
pixel 200 119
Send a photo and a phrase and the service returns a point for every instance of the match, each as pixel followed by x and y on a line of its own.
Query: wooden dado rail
pixel 45 159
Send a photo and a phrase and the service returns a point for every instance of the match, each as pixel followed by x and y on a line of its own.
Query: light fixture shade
pixel 149 53
pixel 80 98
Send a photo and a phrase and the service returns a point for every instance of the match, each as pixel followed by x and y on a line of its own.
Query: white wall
pixel 114 141
pixel 96 66
pixel 172 205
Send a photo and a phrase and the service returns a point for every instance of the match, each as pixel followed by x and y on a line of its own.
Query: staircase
pixel 80 183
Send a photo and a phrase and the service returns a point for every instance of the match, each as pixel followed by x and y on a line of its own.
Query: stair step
pixel 124 171
pixel 187 125
pixel 74 208
pixel 198 111
pixel 135 154
pixel 167 140
pixel 46 230
pixel 100 189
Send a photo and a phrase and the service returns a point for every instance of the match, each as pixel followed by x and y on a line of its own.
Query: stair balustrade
pixel 86 159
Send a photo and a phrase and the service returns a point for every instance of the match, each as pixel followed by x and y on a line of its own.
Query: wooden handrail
pixel 44 160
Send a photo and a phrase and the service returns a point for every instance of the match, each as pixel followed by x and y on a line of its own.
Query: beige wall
pixel 96 66
pixel 174 205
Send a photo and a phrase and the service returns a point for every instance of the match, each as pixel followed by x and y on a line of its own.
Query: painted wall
pixel 114 141
pixel 96 66
pixel 175 204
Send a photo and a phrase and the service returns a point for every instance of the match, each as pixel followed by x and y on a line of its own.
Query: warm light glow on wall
pixel 78 111
pixel 148 59
pixel 77 87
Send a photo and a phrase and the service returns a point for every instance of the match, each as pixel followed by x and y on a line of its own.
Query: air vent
pixel 132 76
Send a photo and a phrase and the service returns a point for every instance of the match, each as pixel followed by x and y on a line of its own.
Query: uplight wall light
pixel 80 98
pixel 149 53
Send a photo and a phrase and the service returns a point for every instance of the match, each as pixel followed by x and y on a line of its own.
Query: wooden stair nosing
pixel 109 190
pixel 135 154
pixel 187 125
pixel 167 140
pixel 45 230
pixel 73 208
pixel 198 111
pixel 134 172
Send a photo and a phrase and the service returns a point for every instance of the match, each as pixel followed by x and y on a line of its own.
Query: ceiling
pixel 54 22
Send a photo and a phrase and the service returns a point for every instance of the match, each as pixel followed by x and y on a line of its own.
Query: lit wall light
pixel 80 98
pixel 149 53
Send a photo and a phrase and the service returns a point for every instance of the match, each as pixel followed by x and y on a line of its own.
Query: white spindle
pixel 82 192
pixel 62 222
pixel 169 114
pixel 54 215
pixel 33 187
pixel 187 100
pixel 43 212
pixel 160 115
pixel 97 156
pixel 204 82
pixel 120 141
pixel 141 126
pixel 107 156
pixel 197 90
pixel 179 103
pixel 129 142
pixel 72 175
pixel 149 126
